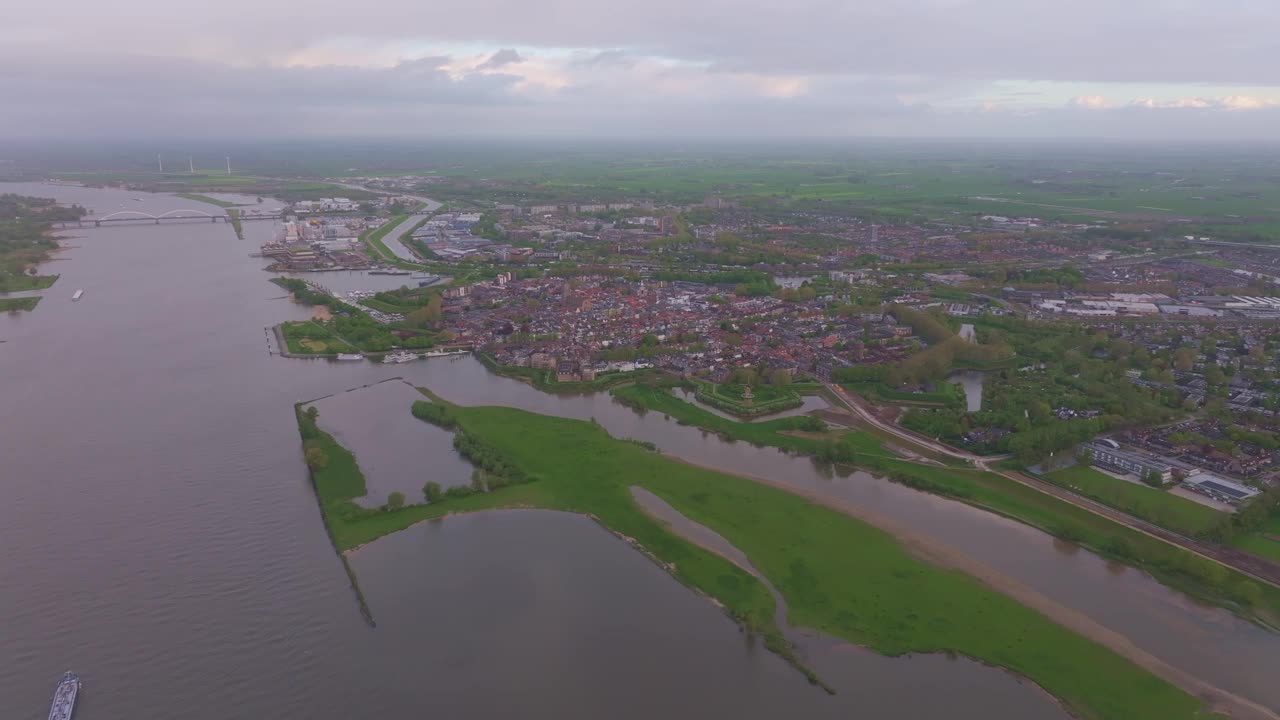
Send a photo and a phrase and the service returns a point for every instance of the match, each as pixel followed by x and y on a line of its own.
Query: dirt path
pixel 942 555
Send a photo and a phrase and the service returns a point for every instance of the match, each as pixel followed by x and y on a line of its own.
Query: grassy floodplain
pixel 233 216
pixel 1264 543
pixel 837 574
pixel 22 304
pixel 206 199
pixel 1172 566
pixel 25 282
pixel 1158 506
pixel 373 239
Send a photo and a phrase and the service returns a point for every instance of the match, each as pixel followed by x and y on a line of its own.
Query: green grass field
pixel 1158 506
pixel 836 573
pixel 373 239
pixel 1260 544
pixel 764 432
pixel 206 199
pixel 766 399
pixel 23 282
pixel 22 304
pixel 1170 565
pixel 311 338
pixel 1223 194
pixel 946 394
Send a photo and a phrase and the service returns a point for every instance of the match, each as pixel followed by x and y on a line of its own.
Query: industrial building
pixel 1108 455
pixel 1218 488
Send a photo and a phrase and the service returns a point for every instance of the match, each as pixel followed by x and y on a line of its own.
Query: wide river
pixel 161 538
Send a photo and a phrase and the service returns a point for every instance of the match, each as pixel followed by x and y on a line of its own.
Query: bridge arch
pixel 183 213
pixel 128 213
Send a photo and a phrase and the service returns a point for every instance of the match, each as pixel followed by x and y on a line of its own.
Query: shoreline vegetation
pixel 545 380
pixel 1199 577
pixel 25 244
pixel 373 240
pixel 22 304
pixel 837 574
pixel 349 328
pixel 233 216
pixel 205 199
pixel 26 282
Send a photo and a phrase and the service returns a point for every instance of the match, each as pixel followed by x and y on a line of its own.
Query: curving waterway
pixel 162 540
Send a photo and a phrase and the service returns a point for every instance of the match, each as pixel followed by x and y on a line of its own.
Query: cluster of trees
pixel 924 325
pixel 433 492
pixel 305 294
pixel 837 452
pixel 395 501
pixel 363 331
pixel 487 228
pixel 38 210
pixel 1234 435
pixel 803 293
pixel 312 452
pixel 860 373
pixel 1250 518
pixel 489 459
pixel 436 414
pixel 1063 277
pixel 23 239
pixel 428 315
pixel 939 360
pixel 747 283
pixel 755 376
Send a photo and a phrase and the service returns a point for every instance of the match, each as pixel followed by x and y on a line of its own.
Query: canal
pixel 163 541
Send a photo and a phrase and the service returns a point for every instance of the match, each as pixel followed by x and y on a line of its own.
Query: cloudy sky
pixel 1189 69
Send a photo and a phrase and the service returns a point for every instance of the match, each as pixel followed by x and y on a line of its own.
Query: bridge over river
pixel 137 217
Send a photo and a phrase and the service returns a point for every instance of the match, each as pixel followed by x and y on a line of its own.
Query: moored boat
pixel 400 357
pixel 350 356
pixel 64 697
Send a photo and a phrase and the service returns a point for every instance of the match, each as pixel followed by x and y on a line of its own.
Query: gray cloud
pixel 505 56
pixel 1087 40
pixel 604 58
pixel 792 67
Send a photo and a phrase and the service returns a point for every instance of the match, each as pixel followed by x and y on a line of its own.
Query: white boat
pixel 350 356
pixel 403 356
pixel 78 294
pixel 64 697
